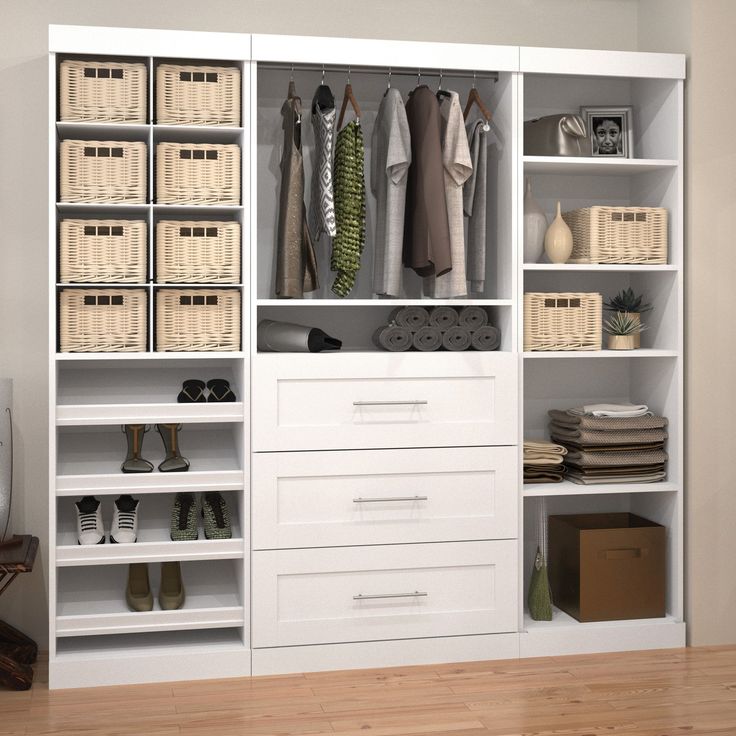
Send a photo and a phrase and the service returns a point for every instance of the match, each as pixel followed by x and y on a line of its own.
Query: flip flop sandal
pixel 220 390
pixel 173 462
pixel 133 462
pixel 192 392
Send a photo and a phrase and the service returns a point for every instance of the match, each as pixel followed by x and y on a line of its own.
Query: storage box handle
pixel 628 553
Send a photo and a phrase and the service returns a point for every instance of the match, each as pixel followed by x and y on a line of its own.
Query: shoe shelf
pixel 154 543
pixel 91 600
pixel 112 414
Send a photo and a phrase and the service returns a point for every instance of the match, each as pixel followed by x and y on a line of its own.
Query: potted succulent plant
pixel 629 303
pixel 622 328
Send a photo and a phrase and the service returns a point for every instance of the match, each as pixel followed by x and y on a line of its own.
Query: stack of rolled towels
pixel 611 443
pixel 439 328
pixel 543 462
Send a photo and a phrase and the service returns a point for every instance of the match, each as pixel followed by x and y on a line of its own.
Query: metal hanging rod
pixel 379 70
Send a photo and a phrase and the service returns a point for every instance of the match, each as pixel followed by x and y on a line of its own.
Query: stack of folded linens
pixel 543 462
pixel 611 443
pixel 441 328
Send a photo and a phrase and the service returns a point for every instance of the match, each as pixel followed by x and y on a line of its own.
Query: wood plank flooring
pixel 680 692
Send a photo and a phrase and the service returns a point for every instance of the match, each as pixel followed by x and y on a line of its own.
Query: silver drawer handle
pixel 415 594
pixel 391 498
pixel 416 402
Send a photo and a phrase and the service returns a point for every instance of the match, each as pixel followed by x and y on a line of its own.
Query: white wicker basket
pixel 563 321
pixel 102 251
pixel 198 173
pixel 201 251
pixel 109 91
pixel 618 234
pixel 103 320
pixel 197 95
pixel 103 171
pixel 197 320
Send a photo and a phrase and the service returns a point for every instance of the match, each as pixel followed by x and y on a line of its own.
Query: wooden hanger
pixel 474 98
pixel 348 96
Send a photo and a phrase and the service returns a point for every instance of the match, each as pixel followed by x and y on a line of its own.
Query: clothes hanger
pixel 348 96
pixel 323 97
pixel 475 99
pixel 442 92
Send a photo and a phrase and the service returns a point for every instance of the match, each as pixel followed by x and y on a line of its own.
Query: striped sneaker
pixel 183 518
pixel 216 517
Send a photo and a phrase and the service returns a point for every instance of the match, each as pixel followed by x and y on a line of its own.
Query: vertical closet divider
pixel 151 200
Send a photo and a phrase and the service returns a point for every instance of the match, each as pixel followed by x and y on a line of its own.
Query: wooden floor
pixel 663 693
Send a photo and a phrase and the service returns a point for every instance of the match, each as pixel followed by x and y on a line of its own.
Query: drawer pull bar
pixel 415 594
pixel 391 498
pixel 415 402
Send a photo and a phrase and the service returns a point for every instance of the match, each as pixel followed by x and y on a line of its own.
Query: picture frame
pixel 610 130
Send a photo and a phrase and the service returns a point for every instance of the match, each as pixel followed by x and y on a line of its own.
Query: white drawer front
pixel 322 499
pixel 375 400
pixel 319 596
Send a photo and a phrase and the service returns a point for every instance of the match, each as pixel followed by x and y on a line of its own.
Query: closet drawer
pixel 319 596
pixel 344 498
pixel 377 400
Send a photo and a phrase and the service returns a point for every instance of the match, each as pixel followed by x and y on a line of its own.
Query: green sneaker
pixel 216 517
pixel 184 518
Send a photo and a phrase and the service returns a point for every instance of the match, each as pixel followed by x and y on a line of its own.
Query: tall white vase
pixel 558 240
pixel 6 456
pixel 535 226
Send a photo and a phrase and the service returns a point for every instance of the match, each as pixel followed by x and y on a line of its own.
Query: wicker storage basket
pixel 201 252
pixel 198 173
pixel 618 234
pixel 103 320
pixel 197 319
pixel 112 91
pixel 103 171
pixel 566 321
pixel 197 95
pixel 102 251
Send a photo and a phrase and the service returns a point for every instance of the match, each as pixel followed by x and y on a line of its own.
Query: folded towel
pixel 546 478
pixel 394 338
pixel 486 337
pixel 542 460
pixel 640 457
pixel 472 317
pixel 411 317
pixel 615 448
pixel 646 478
pixel 565 418
pixel 612 410
pixel 443 317
pixel 456 338
pixel 544 447
pixel 567 433
pixel 428 338
pixel 560 468
pixel 622 471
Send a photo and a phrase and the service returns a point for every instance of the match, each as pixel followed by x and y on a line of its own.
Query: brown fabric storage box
pixel 607 567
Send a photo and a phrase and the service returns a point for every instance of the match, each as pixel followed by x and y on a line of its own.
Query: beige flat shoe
pixel 171 595
pixel 138 592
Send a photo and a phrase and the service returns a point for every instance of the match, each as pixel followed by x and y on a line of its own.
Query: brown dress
pixel 296 264
pixel 426 228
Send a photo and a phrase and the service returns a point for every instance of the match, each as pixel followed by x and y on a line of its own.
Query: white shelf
pixel 198 128
pixel 383 302
pixel 91 601
pixel 152 356
pixel 595 166
pixel 567 488
pixel 562 620
pixel 97 130
pixel 77 415
pixel 638 353
pixel 91 208
pixel 196 209
pixel 603 267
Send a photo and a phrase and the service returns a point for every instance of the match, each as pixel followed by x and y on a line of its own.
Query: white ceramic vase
pixel 535 226
pixel 558 240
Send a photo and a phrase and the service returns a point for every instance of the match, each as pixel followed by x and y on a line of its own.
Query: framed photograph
pixel 610 130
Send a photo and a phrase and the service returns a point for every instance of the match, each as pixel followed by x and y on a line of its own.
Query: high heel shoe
pixel 192 392
pixel 173 462
pixel 220 390
pixel 133 462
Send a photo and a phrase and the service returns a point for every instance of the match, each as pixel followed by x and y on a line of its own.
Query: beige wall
pixel 661 25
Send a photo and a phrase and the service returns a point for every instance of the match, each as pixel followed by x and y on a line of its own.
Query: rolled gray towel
pixel 428 338
pixel 411 317
pixel 487 337
pixel 393 338
pixel 473 317
pixel 443 317
pixel 456 338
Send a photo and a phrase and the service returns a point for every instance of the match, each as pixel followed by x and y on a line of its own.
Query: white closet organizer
pixel 387 519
